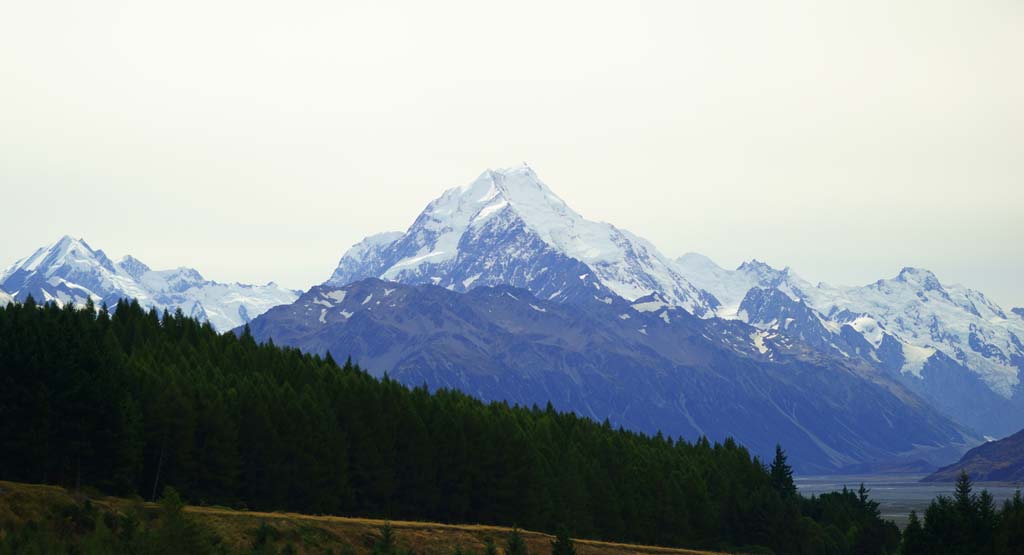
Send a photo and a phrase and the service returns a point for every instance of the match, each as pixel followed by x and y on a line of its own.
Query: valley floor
pixel 898 494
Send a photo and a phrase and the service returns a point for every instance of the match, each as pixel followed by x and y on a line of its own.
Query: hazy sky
pixel 257 141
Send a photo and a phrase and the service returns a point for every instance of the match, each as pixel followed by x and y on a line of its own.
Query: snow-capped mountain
pixel 926 331
pixel 72 271
pixel 5 298
pixel 507 227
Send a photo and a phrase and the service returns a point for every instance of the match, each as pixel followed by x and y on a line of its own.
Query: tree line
pixel 967 524
pixel 130 401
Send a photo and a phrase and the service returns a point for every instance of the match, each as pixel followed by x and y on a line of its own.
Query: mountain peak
pixel 133 266
pixel 508 227
pixel 755 265
pixel 66 251
pixel 696 259
pixel 921 276
pixel 765 273
pixel 517 186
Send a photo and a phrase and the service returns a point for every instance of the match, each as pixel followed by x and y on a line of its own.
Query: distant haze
pixel 257 141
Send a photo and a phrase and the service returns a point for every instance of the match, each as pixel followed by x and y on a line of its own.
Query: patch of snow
pixel 412 261
pixel 338 295
pixel 914 358
pixel 488 210
pixel 758 338
pixel 650 306
pixel 870 329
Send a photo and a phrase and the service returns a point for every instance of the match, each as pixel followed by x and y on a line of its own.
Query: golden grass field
pixel 311 534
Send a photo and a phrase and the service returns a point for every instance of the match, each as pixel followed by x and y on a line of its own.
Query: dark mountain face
pixel 995 461
pixel 643 365
pixel 964 397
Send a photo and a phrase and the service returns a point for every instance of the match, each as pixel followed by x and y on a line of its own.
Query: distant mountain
pixel 1018 311
pixel 995 461
pixel 70 270
pixel 5 298
pixel 644 364
pixel 949 344
pixel 508 228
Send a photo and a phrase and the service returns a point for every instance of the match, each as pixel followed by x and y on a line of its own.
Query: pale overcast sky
pixel 257 141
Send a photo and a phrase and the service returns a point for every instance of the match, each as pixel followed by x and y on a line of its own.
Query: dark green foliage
pixel 514 544
pixel 133 401
pixel 563 544
pixel 385 543
pixel 913 537
pixel 967 524
pixel 782 474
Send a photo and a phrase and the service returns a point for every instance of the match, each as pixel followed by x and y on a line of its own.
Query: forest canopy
pixel 130 401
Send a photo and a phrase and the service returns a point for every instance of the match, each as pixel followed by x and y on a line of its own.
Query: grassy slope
pixel 21 503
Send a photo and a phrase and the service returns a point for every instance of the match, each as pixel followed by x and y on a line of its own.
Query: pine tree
pixel 514 544
pixel 913 537
pixel 782 474
pixel 563 544
pixel 963 496
pixel 385 543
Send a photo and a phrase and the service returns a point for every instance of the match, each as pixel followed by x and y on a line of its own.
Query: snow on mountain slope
pixel 70 271
pixel 730 287
pixel 914 307
pixel 508 227
pixel 5 298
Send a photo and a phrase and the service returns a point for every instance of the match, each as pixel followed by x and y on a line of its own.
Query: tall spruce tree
pixel 563 544
pixel 782 474
pixel 515 544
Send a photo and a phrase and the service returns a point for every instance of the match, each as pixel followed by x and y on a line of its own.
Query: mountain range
pixel 612 290
pixel 500 289
pixel 645 365
pixel 69 270
pixel 950 344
